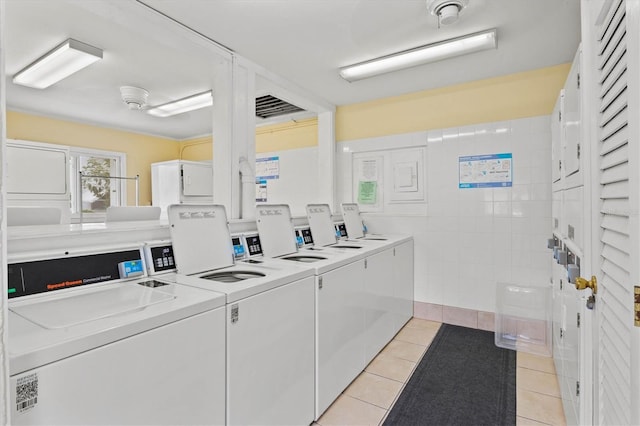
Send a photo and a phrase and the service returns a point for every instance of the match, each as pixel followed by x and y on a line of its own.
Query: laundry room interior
pixel 307 238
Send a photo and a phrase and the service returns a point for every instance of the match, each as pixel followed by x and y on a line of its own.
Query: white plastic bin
pixel 523 318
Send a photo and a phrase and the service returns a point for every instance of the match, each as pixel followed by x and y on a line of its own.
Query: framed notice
pixel 485 171
pixel 267 168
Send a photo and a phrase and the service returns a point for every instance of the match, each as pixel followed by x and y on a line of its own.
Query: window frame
pixel 76 185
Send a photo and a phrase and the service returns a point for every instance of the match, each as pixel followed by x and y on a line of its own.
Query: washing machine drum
pixel 233 276
pixel 303 258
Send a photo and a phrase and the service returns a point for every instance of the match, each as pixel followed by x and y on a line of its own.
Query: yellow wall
pixel 199 149
pixel 277 137
pixel 289 135
pixel 141 150
pixel 525 94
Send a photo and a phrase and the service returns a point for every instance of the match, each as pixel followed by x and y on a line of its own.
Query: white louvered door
pixel 615 224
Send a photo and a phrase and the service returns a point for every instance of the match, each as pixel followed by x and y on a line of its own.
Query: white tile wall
pixel 477 237
pixel 473 238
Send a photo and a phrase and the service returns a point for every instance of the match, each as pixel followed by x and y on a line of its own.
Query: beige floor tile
pixel 404 350
pixel 537 381
pixel 535 362
pixel 391 367
pixel 523 421
pixel 374 389
pixel 419 336
pixel 422 323
pixel 539 407
pixel 351 411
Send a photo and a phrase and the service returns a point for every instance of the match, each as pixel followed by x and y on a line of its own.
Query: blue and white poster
pixel 486 171
pixel 268 168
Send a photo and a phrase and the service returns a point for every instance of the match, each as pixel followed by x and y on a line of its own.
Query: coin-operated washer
pixel 269 319
pixel 339 302
pixel 96 341
pixel 403 261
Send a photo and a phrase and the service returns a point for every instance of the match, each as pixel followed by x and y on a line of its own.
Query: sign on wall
pixel 261 191
pixel 485 171
pixel 267 168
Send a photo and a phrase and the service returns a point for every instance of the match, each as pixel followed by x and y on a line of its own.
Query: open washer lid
pixel 275 227
pixel 322 229
pixel 352 220
pixel 200 237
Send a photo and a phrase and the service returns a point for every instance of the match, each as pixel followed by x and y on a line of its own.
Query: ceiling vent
pixel 268 106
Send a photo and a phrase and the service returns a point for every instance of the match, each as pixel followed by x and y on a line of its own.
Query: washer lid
pixel 322 229
pixel 275 227
pixel 352 220
pixel 82 308
pixel 200 237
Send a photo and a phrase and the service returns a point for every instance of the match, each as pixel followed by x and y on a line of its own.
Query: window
pixel 93 187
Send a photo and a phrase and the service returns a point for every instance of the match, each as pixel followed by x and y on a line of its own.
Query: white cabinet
pixel 572 120
pixel 557 126
pixel 181 182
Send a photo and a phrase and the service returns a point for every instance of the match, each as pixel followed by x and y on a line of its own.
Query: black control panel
pixel 253 245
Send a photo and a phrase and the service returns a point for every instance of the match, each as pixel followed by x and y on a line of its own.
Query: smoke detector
pixel 447 11
pixel 134 97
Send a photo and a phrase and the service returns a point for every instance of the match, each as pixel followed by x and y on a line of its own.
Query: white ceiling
pixel 303 41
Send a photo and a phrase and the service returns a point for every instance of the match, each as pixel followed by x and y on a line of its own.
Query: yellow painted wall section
pixel 520 95
pixel 141 150
pixel 198 149
pixel 289 135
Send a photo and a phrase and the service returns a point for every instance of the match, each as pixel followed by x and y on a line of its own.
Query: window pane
pixel 98 193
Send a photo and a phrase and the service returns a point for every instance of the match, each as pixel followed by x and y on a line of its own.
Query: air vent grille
pixel 268 106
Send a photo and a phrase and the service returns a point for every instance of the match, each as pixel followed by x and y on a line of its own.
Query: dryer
pixel 269 318
pixel 91 347
pixel 339 302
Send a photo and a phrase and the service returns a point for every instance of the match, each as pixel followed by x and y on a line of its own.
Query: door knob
pixel 581 284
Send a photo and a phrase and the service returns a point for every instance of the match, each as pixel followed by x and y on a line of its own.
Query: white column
pixel 233 134
pixel 327 158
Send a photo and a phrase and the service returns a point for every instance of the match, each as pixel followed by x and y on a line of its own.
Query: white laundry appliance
pixel 269 319
pixel 339 302
pixel 96 341
pixel 401 296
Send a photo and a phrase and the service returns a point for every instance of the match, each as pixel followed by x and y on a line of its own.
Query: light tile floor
pixel 372 394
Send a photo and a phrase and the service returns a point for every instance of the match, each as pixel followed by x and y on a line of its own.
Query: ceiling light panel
pixel 59 63
pixel 421 55
pixel 190 103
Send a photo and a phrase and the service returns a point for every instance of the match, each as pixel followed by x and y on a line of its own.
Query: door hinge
pixel 319 283
pixel 560 165
pixel 559 115
pixel 561 333
pixel 365 264
pixel 578 151
pixel 560 284
pixel 578 388
pixel 394 251
pixel 578 320
pixel 578 80
pixel 235 313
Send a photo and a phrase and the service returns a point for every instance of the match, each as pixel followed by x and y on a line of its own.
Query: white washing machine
pixel 269 319
pixel 88 347
pixel 339 302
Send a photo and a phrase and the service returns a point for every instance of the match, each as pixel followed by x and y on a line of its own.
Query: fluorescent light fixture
pixel 421 55
pixel 59 63
pixel 189 103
